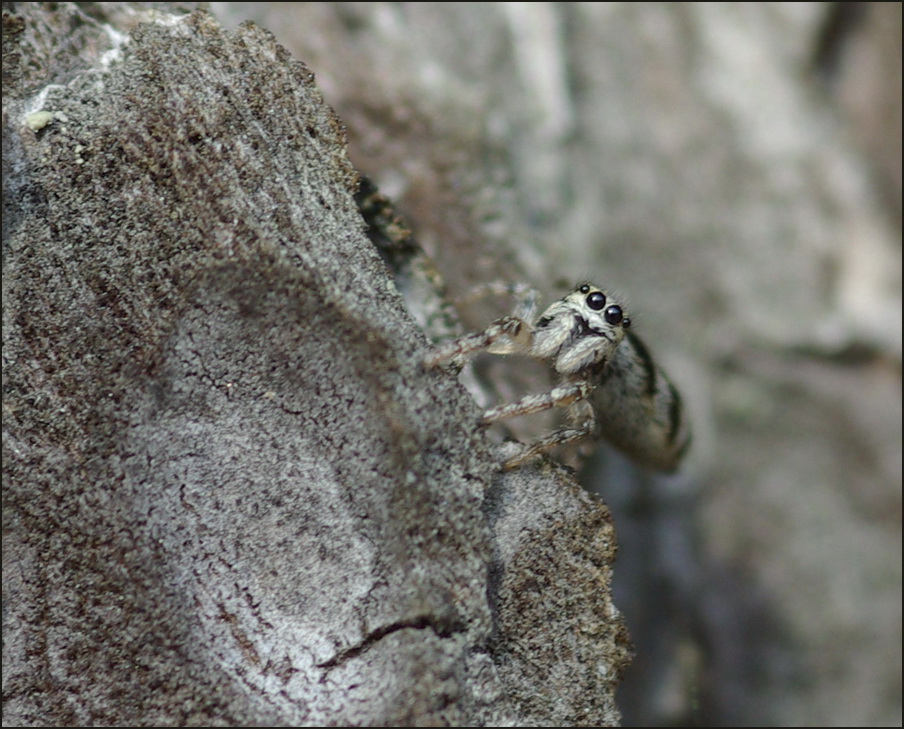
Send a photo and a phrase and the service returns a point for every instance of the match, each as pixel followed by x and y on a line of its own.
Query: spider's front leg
pixel 571 395
pixel 503 336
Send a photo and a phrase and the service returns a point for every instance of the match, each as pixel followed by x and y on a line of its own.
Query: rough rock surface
pixel 232 495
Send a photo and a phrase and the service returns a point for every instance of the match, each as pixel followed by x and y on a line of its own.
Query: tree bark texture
pixel 232 495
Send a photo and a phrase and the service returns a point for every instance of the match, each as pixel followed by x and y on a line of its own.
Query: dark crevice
pixel 841 21
pixel 442 627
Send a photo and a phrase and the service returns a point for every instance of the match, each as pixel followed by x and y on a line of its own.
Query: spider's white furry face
pixel 580 331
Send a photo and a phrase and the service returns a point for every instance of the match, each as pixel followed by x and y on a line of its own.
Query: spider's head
pixel 599 306
pixel 580 331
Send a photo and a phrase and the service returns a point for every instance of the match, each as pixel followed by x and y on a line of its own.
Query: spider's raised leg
pixel 515 332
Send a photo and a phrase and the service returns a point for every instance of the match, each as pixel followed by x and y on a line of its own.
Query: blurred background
pixel 734 171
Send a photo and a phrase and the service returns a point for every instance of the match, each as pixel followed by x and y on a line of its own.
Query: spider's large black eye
pixel 596 300
pixel 614 315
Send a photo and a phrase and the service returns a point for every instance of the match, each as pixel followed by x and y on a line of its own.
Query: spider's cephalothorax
pixel 609 383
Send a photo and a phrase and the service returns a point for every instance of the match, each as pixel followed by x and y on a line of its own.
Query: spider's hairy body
pixel 609 383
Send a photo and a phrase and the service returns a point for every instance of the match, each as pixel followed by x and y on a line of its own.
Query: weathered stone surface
pixel 232 495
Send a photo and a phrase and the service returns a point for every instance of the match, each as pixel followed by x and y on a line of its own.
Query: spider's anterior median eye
pixel 614 315
pixel 596 300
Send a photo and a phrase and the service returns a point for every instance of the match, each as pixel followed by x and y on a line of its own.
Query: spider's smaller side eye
pixel 614 315
pixel 597 300
pixel 584 288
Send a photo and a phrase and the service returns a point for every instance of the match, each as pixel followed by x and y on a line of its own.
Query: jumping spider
pixel 609 383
